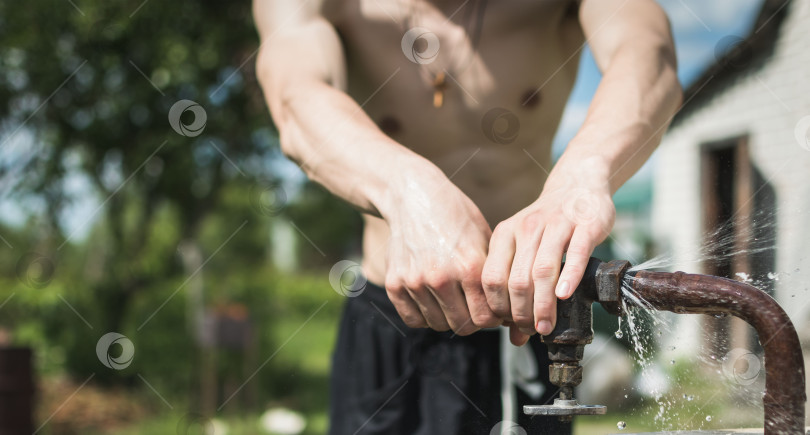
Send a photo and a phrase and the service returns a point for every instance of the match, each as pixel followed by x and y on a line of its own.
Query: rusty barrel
pixel 16 391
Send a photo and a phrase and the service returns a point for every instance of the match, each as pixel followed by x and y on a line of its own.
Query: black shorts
pixel 390 379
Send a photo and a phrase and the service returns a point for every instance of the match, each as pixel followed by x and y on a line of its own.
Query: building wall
pixel 766 105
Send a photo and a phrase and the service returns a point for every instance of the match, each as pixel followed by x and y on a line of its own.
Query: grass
pixel 599 425
pixel 698 391
pixel 309 353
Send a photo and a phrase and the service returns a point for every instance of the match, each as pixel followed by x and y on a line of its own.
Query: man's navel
pixel 530 98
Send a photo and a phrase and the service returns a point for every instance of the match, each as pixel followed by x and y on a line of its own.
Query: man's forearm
pixel 629 114
pixel 340 147
pixel 437 237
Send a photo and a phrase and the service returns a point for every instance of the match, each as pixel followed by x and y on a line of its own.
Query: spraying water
pixel 643 325
pixel 721 245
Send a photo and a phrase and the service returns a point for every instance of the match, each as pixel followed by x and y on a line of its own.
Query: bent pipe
pixel 784 398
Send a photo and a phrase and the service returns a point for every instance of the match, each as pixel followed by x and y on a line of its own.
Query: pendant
pixel 439 86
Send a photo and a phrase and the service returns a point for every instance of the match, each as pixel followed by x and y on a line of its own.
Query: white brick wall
pixel 766 105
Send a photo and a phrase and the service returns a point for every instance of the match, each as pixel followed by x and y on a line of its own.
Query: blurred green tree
pixel 86 92
pixel 87 89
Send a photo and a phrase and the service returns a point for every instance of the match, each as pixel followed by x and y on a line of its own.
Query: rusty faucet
pixel 678 292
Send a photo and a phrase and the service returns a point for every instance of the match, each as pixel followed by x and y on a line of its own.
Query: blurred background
pixel 166 269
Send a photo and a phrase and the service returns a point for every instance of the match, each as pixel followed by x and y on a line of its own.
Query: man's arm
pixel 302 71
pixel 639 92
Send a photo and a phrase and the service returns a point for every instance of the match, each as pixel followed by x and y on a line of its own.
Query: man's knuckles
pixel 485 319
pixel 530 223
pixel 438 280
pixel 494 280
pixel 519 282
pixel 544 270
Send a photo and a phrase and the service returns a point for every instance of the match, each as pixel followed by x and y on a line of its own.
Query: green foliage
pixel 91 88
pixel 85 93
pixel 334 226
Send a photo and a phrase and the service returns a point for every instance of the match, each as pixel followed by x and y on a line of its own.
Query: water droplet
pixel 708 418
pixel 621 425
pixel 744 277
pixel 625 396
pixel 713 357
pixel 619 334
pixel 672 361
pixel 690 398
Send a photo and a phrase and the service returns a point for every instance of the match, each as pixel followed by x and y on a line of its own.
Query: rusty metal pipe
pixel 784 397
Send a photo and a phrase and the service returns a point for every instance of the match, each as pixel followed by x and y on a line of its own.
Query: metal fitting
pixel 609 285
pixel 565 374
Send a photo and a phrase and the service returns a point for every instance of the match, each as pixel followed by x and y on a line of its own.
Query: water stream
pixel 677 391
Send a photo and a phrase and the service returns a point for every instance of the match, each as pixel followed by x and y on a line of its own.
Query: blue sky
pixel 697 26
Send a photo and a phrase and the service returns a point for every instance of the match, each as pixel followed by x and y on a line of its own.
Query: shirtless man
pixel 435 119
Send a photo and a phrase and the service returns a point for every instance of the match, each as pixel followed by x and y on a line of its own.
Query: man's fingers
pixel 495 274
pixel 576 260
pixel 406 307
pixel 516 337
pixel 480 312
pixel 545 272
pixel 521 288
pixel 429 307
pixel 453 307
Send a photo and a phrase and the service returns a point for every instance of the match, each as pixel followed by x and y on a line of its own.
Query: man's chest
pixel 472 52
pixel 428 75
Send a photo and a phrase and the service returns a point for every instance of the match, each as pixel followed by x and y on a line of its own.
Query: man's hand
pixel 521 277
pixel 639 92
pixel 436 252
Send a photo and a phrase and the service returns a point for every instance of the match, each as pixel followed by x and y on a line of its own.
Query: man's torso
pixel 521 69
